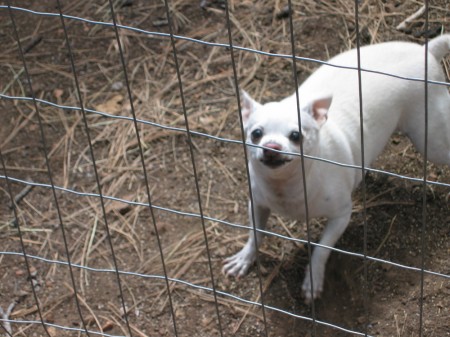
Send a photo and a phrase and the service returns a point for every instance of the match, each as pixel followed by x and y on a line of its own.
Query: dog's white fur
pixel 330 121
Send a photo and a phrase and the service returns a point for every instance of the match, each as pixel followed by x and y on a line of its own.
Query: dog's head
pixel 275 127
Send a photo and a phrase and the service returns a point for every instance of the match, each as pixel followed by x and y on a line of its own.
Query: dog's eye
pixel 294 136
pixel 256 135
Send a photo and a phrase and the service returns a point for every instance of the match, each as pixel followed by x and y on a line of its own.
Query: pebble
pixel 116 86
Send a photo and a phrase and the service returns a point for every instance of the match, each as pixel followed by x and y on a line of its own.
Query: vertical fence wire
pixel 302 161
pixel 425 172
pixel 141 154
pixel 94 165
pixel 22 244
pixel 247 170
pixel 194 166
pixel 365 284
pixel 50 176
pixel 202 217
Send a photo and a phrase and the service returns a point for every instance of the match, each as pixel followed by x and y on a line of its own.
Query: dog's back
pixel 388 102
pixel 438 107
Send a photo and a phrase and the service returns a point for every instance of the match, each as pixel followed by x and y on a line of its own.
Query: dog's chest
pixel 285 199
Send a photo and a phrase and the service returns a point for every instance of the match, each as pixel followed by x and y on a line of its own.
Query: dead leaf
pixel 160 227
pixel 107 326
pixel 121 207
pixel 112 106
pixel 52 331
pixel 206 120
pixel 126 108
pixel 58 93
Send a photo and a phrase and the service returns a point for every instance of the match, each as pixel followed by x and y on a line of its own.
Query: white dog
pixel 330 129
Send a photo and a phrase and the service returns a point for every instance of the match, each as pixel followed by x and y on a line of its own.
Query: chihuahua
pixel 329 116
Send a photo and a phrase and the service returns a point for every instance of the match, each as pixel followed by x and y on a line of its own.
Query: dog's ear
pixel 318 109
pixel 248 106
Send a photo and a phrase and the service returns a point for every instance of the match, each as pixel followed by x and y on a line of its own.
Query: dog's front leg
pixel 333 230
pixel 238 264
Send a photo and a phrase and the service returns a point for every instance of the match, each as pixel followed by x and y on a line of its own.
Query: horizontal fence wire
pixel 223 45
pixel 182 282
pixel 199 215
pixel 225 140
pixel 220 221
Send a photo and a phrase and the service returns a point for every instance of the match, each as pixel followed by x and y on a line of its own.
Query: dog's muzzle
pixel 272 158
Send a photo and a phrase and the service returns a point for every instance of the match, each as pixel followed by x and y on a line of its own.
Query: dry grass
pixel 207 81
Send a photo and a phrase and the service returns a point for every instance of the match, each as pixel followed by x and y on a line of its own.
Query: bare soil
pixel 385 303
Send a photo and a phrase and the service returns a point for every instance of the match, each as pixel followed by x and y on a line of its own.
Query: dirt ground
pixel 387 303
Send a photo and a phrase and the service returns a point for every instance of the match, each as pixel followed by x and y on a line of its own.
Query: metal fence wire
pixel 38 321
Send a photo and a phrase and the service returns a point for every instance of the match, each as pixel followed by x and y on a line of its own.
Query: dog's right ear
pixel 248 106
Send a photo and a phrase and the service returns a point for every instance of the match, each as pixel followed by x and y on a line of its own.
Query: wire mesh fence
pixel 137 201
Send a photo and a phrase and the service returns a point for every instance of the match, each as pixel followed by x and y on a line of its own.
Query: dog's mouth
pixel 271 157
pixel 275 162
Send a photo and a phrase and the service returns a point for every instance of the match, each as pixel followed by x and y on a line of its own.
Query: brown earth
pixel 388 300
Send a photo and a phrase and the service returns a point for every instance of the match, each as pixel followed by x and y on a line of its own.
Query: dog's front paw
pixel 238 264
pixel 317 278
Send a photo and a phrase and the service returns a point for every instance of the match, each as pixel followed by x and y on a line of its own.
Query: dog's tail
pixel 439 46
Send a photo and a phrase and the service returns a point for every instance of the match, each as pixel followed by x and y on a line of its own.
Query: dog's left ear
pixel 318 109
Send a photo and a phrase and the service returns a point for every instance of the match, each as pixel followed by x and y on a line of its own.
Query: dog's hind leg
pixel 438 140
